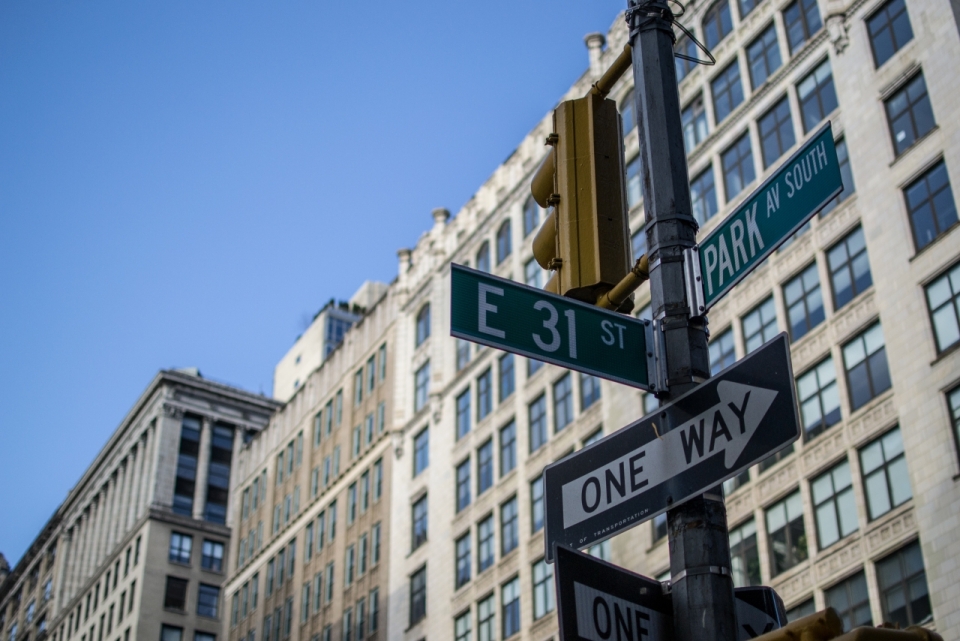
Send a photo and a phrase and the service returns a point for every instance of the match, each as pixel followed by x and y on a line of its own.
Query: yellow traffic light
pixel 585 238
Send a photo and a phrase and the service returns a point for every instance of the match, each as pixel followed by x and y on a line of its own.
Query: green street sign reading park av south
pixel 778 208
pixel 537 324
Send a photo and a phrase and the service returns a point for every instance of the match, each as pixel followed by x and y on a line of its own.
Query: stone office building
pixel 861 514
pixel 312 493
pixel 137 550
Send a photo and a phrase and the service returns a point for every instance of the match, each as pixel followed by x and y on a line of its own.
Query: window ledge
pixel 916 143
pixel 945 353
pixel 935 241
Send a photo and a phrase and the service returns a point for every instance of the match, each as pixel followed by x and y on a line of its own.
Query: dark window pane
pixel 889 30
pixel 909 114
pixel 931 205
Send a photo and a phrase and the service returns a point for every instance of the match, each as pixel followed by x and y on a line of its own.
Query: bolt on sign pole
pixel 703 600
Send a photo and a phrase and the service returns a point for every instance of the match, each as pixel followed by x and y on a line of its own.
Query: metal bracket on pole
pixel 656 357
pixel 693 281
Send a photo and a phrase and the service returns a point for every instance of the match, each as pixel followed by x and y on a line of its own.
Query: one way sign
pixel 712 433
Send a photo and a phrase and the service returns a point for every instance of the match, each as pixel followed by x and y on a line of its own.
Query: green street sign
pixel 537 324
pixel 777 209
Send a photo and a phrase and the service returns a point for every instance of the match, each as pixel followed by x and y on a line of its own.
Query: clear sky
pixel 186 183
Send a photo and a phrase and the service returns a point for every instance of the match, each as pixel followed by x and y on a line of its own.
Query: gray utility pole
pixel 703 602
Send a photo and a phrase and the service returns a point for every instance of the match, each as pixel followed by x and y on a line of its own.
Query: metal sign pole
pixel 703 601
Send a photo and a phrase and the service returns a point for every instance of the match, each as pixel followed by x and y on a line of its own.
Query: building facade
pixel 137 550
pixel 312 495
pixel 861 513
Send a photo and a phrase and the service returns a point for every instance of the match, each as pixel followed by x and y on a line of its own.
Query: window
pixel 418 595
pixel 759 325
pixel 510 602
pixel 744 557
pixel 208 598
pixel 382 355
pixel 531 273
pixel 638 243
pixel 349 566
pixel 954 402
pixel 375 544
pixel 505 366
pixel 212 558
pixel 180 545
pixel 799 611
pixel 943 300
pixel 361 616
pixel 589 391
pixel 903 587
pixel 461 627
pixel 717 24
pixel 358 384
pixel 788 540
pixel 485 467
pixel 463 353
pixel 865 359
pixel 333 519
pixel 804 302
pixel 763 56
pixel 909 114
pixel 463 560
pixel 889 30
pixel 175 595
pixel 423 324
pixel 486 629
pixel 421 451
pixel 628 113
pixel 686 47
pixel 851 601
pixel 330 582
pixel 694 120
pixel 509 530
pixel 483 257
pixel 368 429
pixel 374 600
pixel 508 448
pixel 304 602
pixel 463 414
pixel 849 268
pixel 885 479
pixel 538 422
pixel 421 384
pixel 817 96
pixel 484 394
pixel 351 504
pixel 537 504
pixel 348 624
pixel 185 484
pixel 819 398
pixel 746 6
pixel 167 633
pixel 801 19
pixel 533 366
pixel 463 484
pixel 738 169
pixel 543 596
pixel 931 206
pixel 531 216
pixel 485 543
pixel 703 194
pixel 419 531
pixel 776 132
pixel 504 241
pixel 834 504
pixel 722 352
pixel 377 479
pixel 634 191
pixel 562 403
pixel 727 91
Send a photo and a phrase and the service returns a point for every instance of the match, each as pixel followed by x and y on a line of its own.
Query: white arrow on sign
pixel 727 427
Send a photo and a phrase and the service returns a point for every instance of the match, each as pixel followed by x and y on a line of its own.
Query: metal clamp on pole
pixel 703 569
pixel 693 281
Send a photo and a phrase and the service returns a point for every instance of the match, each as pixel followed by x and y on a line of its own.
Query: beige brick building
pixel 312 537
pixel 137 550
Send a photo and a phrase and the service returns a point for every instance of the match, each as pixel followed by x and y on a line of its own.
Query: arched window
pixel 483 257
pixel 504 241
pixel 423 324
pixel 531 216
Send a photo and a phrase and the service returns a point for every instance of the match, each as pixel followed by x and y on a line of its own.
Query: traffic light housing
pixel 585 238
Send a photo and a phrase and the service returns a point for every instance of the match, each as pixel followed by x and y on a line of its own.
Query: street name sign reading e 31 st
pixel 531 322
pixel 768 217
pixel 710 434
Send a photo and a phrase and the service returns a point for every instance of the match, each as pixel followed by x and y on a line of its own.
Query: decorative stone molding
pixel 740 505
pixel 397 438
pixel 892 531
pixel 873 420
pixel 811 348
pixel 837 32
pixel 854 316
pixel 824 451
pixel 840 221
pixel 172 411
pixel 836 562
pixel 795 256
pixel 777 482
pixel 795 585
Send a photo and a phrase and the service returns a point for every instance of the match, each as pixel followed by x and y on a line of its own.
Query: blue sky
pixel 185 184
